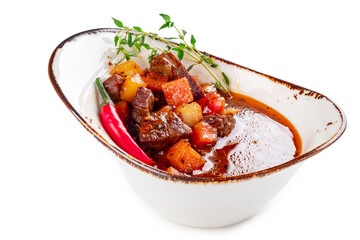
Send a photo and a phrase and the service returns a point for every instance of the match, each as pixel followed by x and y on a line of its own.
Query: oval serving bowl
pixel 195 201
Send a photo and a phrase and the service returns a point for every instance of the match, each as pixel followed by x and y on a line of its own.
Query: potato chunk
pixel 130 87
pixel 127 69
pixel 190 113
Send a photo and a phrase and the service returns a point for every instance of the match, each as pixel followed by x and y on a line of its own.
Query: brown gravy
pixel 262 138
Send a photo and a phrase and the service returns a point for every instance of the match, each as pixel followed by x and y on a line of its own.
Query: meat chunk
pixel 169 65
pixel 143 104
pixel 224 123
pixel 162 129
pixel 113 85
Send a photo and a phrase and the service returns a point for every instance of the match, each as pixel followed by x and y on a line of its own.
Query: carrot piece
pixel 177 92
pixel 124 111
pixel 184 158
pixel 153 84
pixel 203 134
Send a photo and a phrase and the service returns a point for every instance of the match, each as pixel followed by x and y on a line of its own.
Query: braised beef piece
pixel 133 128
pixel 142 104
pixel 170 65
pixel 160 100
pixel 113 85
pixel 224 123
pixel 161 129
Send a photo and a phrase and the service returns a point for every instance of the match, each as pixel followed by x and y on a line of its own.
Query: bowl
pixel 195 201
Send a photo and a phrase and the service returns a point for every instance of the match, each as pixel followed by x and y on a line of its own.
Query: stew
pixel 192 129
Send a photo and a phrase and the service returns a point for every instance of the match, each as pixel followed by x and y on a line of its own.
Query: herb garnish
pixel 134 37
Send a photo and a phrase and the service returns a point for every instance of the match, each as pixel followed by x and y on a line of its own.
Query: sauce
pixel 262 138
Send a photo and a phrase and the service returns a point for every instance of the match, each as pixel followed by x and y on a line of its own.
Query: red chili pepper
pixel 116 128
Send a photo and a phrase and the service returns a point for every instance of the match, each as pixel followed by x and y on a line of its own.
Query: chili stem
pixel 105 96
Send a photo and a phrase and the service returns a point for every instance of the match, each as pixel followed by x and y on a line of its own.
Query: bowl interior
pixel 78 60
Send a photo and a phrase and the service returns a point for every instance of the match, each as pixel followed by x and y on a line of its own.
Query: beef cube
pixel 113 85
pixel 143 104
pixel 224 123
pixel 171 66
pixel 162 129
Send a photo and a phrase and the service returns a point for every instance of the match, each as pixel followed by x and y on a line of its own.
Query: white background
pixel 59 182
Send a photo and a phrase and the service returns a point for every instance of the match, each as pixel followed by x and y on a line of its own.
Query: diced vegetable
pixel 157 76
pixel 172 170
pixel 203 134
pixel 190 113
pixel 127 69
pixel 212 103
pixel 184 158
pixel 177 92
pixel 154 84
pixel 130 87
pixel 124 111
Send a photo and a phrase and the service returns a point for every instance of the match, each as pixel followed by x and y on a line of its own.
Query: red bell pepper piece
pixel 212 103
pixel 116 128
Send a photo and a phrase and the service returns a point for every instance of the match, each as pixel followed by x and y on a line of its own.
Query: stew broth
pixel 262 138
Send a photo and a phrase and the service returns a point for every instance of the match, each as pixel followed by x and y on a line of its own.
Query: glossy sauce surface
pixel 262 138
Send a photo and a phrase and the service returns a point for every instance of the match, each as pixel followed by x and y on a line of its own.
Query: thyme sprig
pixel 134 37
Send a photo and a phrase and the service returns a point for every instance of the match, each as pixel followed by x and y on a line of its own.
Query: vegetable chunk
pixel 184 158
pixel 190 113
pixel 130 87
pixel 203 134
pixel 124 111
pixel 177 92
pixel 127 69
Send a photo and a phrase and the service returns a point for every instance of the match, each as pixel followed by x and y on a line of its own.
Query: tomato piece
pixel 203 134
pixel 212 103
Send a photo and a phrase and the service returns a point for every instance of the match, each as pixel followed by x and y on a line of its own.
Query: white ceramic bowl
pixel 196 201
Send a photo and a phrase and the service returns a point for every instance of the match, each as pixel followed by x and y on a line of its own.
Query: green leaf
pixel 137 29
pixel 123 41
pixel 191 66
pixel 138 47
pixel 165 17
pixel 147 46
pixel 214 65
pixel 116 40
pixel 183 32
pixel 165 25
pixel 193 40
pixel 226 79
pixel 182 45
pixel 130 42
pixel 118 51
pixel 142 40
pixel 180 54
pixel 170 38
pixel 118 23
pixel 176 49
pixel 132 53
pixel 207 59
